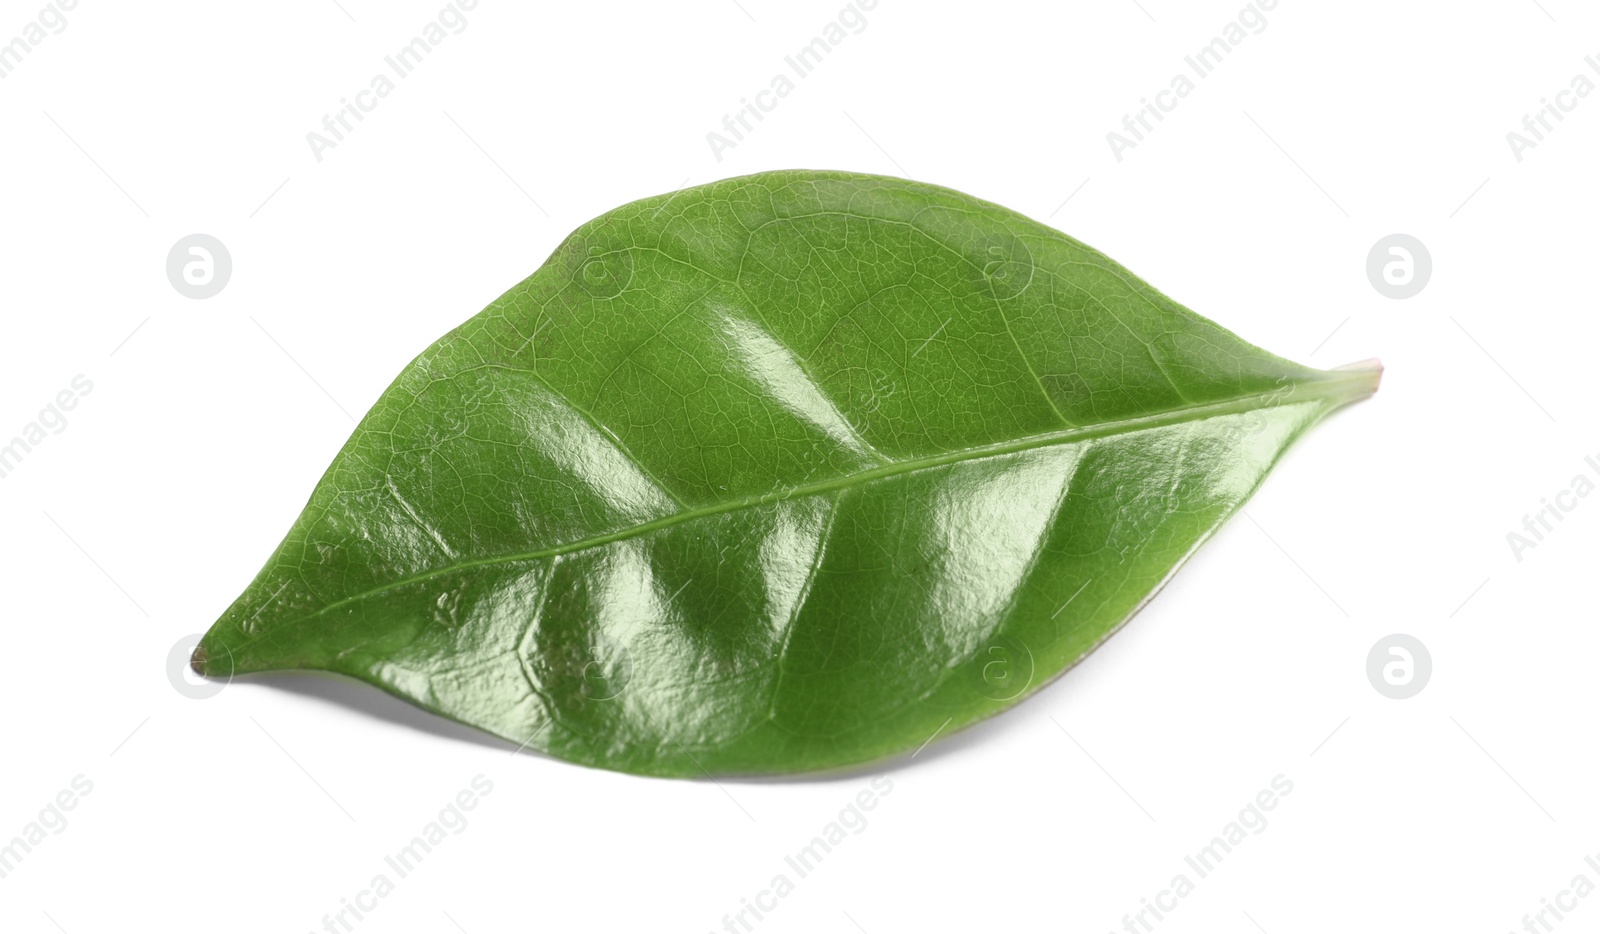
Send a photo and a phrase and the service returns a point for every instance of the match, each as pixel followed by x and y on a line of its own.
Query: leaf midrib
pixel 1343 386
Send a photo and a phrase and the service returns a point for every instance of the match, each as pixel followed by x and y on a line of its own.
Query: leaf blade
pixel 890 399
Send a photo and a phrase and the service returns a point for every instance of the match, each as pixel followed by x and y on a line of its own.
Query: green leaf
pixel 780 473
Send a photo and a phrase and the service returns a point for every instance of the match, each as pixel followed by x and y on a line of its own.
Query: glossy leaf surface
pixel 780 473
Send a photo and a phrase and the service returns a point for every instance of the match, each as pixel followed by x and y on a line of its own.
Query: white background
pixel 1255 202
